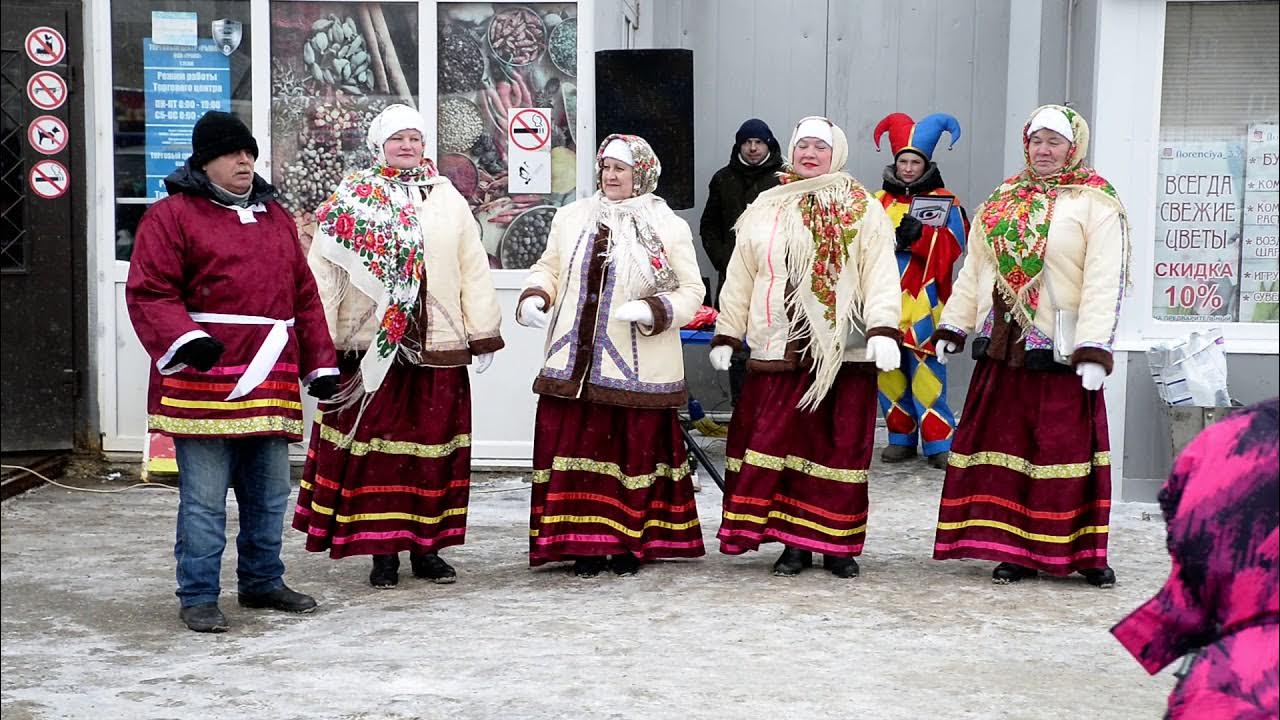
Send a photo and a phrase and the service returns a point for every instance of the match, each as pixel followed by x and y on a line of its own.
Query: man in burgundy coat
pixel 221 297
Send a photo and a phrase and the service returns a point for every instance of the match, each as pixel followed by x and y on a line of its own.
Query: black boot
pixel 841 567
pixel 282 598
pixel 792 561
pixel 386 571
pixel 1103 577
pixel 1008 573
pixel 206 618
pixel 897 453
pixel 939 460
pixel 430 566
pixel 589 567
pixel 624 564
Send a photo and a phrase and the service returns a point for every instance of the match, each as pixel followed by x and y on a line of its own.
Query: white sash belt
pixel 267 354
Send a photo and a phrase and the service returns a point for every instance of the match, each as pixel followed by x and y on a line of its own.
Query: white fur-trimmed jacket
pixel 1085 263
pixel 589 354
pixel 458 315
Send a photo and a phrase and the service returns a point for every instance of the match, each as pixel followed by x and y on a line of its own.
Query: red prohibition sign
pixel 49 179
pixel 45 46
pixel 529 129
pixel 47 134
pixel 47 90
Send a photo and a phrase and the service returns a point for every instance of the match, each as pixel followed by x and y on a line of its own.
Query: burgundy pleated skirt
pixel 799 477
pixel 610 480
pixel 1029 477
pixel 402 482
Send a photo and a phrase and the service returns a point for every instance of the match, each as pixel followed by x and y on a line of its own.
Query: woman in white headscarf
pixel 407 294
pixel 812 290
pixel 1028 482
pixel 619 277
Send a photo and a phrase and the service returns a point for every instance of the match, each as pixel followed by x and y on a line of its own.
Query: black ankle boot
pixel 1103 577
pixel 624 564
pixel 589 567
pixel 386 571
pixel 430 566
pixel 841 567
pixel 792 561
pixel 1008 573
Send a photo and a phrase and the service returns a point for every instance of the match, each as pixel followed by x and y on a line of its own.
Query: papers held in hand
pixel 931 209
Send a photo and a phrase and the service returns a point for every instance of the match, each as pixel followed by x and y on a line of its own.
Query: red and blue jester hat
pixel 907 135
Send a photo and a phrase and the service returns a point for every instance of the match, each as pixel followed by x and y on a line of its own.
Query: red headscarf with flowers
pixel 1017 216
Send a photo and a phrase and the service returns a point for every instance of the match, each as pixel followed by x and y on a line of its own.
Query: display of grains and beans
pixel 496 56
pixel 331 73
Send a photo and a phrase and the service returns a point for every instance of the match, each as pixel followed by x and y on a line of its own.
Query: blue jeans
pixel 258 469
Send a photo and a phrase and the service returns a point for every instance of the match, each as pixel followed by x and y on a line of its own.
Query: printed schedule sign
pixel 1198 232
pixel 1260 248
pixel 179 85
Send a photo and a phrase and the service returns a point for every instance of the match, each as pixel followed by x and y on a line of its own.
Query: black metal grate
pixel 13 177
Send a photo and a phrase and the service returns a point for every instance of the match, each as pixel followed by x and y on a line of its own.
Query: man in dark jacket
pixel 752 169
pixel 753 165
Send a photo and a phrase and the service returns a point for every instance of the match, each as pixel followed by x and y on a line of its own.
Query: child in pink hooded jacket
pixel 1222 599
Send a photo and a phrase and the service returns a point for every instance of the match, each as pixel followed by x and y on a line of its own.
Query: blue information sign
pixel 179 85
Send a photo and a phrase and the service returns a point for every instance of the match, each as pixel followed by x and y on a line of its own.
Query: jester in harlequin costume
pixel 914 397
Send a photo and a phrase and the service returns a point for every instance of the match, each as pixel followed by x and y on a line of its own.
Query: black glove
pixel 323 387
pixel 349 362
pixel 908 232
pixel 201 354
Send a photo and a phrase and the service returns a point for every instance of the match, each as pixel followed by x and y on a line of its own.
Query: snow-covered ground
pixel 90 626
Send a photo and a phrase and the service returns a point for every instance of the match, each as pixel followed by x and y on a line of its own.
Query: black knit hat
pixel 216 134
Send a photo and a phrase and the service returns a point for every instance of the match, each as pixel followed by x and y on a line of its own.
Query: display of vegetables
pixel 526 238
pixel 563 46
pixel 336 55
pixel 517 36
pixel 460 124
pixel 461 61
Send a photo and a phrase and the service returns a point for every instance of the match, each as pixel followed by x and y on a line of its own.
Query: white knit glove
pixel 532 312
pixel 884 353
pixel 483 361
pixel 635 311
pixel 720 357
pixel 944 348
pixel 1091 375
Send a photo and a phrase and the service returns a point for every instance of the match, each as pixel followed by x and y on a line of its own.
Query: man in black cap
pixel 753 165
pixel 221 297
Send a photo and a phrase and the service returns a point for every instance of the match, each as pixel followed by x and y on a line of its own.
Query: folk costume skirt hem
pixel 1029 476
pixel 610 480
pixel 402 481
pixel 799 477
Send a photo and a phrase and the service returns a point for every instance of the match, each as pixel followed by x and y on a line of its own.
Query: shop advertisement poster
pixel 1198 231
pixel 179 85
pixel 1260 247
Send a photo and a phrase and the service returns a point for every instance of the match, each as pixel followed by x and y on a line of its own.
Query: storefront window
pixel 172 61
pixel 334 66
pixel 1217 251
pixel 507 118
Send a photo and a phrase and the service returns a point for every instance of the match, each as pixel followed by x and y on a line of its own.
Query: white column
pixel 1125 129
pixel 1023 89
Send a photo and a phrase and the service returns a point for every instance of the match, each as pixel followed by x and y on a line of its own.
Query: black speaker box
pixel 650 93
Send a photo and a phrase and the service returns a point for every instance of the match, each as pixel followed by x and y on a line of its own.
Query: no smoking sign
pixel 529 150
pixel 49 179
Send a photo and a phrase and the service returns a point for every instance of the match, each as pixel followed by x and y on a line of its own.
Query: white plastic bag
pixel 1191 371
